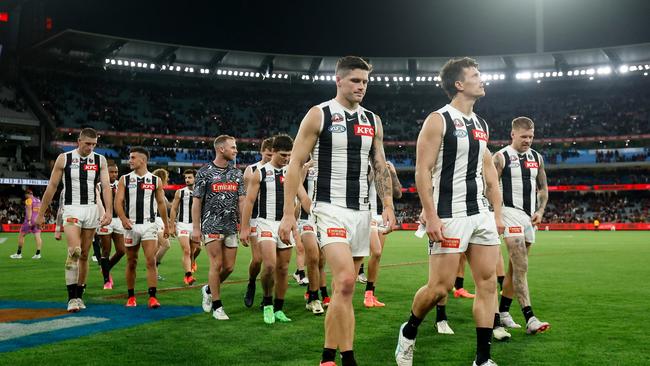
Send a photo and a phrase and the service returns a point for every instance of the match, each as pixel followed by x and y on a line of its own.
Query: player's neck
pixel 520 150
pixel 82 155
pixel 350 106
pixel 141 171
pixel 463 104
pixel 220 162
pixel 190 187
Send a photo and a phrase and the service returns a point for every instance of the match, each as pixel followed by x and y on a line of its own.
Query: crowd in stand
pixel 564 109
pixel 606 207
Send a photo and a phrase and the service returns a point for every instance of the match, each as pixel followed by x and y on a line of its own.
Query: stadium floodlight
pixel 178 68
pixel 502 76
pixel 139 64
pixel 191 69
pixel 132 63
pixel 560 74
pixel 591 78
pixel 119 62
pixel 372 78
pixel 647 67
pixel 408 78
pixel 112 62
pixel 417 78
pixel 257 74
pixel 229 73
pixel 286 76
pixel 570 73
pixel 538 81
pixel 108 60
pixel 590 71
pixel 387 85
pixel 583 72
pixel 524 75
pixel 164 67
pixel 437 84
pixel 487 83
pixel 328 78
pixel 623 69
pixel 633 68
pixel 554 74
pixel 219 72
pixel 429 78
pixel 604 70
pixel 401 78
pixel 548 74
pixel 645 73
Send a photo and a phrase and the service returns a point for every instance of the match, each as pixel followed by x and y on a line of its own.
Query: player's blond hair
pixel 522 123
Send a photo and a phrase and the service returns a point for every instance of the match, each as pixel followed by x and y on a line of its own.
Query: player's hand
pixel 388 216
pixel 422 218
pixel 39 220
pixel 127 224
pixel 196 234
pixel 500 226
pixel 105 220
pixel 172 229
pixel 287 228
pixel 165 231
pixel 537 218
pixel 244 235
pixel 434 228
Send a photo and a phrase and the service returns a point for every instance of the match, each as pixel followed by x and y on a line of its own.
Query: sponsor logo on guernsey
pixel 480 135
pixel 148 186
pixel 336 232
pixel 515 230
pixel 90 167
pixel 266 234
pixel 453 243
pixel 337 117
pixel 225 187
pixel 364 119
pixel 362 130
pixel 531 165
pixel 460 133
pixel 513 158
pixel 337 128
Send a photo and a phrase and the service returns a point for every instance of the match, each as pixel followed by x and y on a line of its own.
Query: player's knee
pixel 269 267
pixel 74 253
pixel 435 292
pixel 345 284
pixel 83 256
pixel 151 263
pixel 186 251
pixel 312 261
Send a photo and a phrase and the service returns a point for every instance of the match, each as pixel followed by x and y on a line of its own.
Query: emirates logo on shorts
pixel 308 228
pixel 72 220
pixel 215 236
pixel 184 232
pixel 128 241
pixel 335 232
pixel 103 230
pixel 515 230
pixel 266 234
pixel 453 243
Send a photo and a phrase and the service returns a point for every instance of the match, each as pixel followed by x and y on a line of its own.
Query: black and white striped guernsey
pixel 185 206
pixel 458 189
pixel 256 208
pixel 271 193
pixel 341 155
pixel 140 197
pixel 113 191
pixel 80 176
pixel 518 180
pixel 309 184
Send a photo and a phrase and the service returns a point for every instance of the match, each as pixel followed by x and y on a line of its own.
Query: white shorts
pixel 83 216
pixel 517 223
pixel 459 232
pixel 230 241
pixel 139 233
pixel 253 225
pixel 267 230
pixel 115 227
pixel 184 229
pixel 160 226
pixel 306 227
pixel 336 224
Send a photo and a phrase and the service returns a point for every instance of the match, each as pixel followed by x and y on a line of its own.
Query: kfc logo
pixel 362 130
pixel 147 186
pixel 531 165
pixel 480 135
pixel 90 167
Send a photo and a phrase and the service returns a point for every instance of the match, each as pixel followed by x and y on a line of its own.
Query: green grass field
pixel 589 286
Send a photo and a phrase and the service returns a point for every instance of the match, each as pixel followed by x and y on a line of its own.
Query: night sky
pixel 369 28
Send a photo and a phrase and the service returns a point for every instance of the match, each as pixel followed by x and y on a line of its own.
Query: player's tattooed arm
pixel 542 193
pixel 383 182
pixel 499 163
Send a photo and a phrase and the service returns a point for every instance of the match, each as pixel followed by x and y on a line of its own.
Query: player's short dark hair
pixel 190 171
pixel 91 133
pixel 141 150
pixel 267 144
pixel 112 163
pixel 523 123
pixel 348 63
pixel 282 143
pixel 221 139
pixel 452 72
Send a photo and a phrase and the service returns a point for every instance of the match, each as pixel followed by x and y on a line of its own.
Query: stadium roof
pixel 76 47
